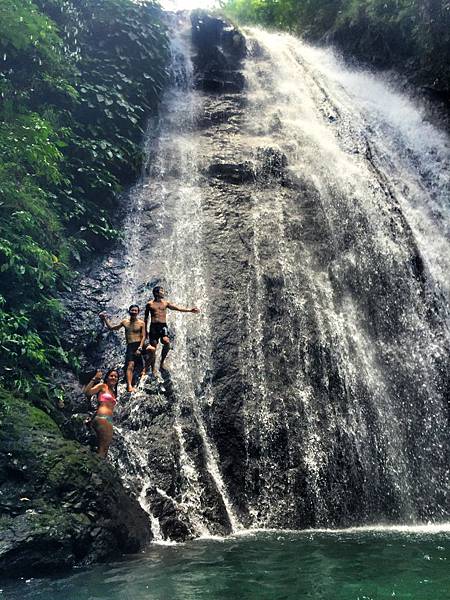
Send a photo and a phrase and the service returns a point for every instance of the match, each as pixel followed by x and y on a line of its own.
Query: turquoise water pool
pixel 355 564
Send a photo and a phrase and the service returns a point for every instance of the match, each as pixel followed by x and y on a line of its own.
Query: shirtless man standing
pixel 158 331
pixel 135 337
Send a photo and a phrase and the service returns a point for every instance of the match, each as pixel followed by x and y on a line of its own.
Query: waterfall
pixel 306 215
pixel 352 253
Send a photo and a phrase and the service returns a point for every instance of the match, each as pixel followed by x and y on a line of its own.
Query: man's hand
pixel 195 310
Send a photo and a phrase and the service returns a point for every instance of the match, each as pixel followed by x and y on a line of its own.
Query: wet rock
pixel 233 42
pixel 272 163
pixel 174 524
pixel 209 32
pixel 60 504
pixel 218 81
pixel 232 172
pixel 220 50
pixel 206 30
pixel 136 415
pixel 217 111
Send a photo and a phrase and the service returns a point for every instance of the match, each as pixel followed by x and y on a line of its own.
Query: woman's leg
pixel 104 431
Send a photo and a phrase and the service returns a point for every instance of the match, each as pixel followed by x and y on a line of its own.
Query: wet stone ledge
pixel 232 172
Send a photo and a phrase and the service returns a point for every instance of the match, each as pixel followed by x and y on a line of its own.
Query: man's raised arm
pixel 111 327
pixel 181 309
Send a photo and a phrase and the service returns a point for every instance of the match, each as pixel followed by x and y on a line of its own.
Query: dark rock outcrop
pixel 60 504
pixel 232 172
pixel 220 50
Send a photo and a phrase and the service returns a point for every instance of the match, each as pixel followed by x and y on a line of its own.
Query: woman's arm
pixel 95 385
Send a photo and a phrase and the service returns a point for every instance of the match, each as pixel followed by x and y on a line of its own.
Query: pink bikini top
pixel 106 397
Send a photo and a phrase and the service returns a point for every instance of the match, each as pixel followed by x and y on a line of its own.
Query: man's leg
pixel 165 350
pixel 130 371
pixel 150 351
pixel 152 355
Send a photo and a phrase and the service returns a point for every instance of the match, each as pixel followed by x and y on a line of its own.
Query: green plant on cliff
pixel 411 33
pixel 78 81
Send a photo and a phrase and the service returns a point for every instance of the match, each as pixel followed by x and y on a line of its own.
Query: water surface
pixel 359 564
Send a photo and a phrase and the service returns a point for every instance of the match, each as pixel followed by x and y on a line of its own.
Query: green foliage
pixel 285 14
pixel 78 80
pixel 406 33
pixel 119 50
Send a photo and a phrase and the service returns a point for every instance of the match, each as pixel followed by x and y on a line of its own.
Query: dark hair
pixel 134 306
pixel 157 289
pixel 108 373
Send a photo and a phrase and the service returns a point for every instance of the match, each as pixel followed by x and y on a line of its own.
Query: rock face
pixel 309 310
pixel 60 504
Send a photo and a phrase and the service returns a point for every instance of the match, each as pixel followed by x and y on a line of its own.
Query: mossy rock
pixel 60 505
pixel 14 409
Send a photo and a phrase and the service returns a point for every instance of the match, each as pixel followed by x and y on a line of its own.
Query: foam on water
pixel 431 529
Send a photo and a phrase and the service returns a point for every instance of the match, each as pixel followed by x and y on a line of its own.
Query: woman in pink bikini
pixel 106 396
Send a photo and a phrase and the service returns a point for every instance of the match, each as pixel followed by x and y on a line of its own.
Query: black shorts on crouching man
pixel 156 333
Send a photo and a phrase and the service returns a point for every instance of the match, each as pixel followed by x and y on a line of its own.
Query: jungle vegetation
pixel 78 81
pixel 410 35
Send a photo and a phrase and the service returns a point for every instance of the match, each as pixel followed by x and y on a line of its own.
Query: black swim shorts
pixel 130 355
pixel 156 332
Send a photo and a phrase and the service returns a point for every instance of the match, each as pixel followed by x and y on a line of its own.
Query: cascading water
pixel 306 216
pixel 340 264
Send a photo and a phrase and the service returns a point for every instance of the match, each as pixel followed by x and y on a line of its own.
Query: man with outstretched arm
pixel 157 309
pixel 135 338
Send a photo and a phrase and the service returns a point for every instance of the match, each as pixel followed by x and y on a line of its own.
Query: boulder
pixel 60 504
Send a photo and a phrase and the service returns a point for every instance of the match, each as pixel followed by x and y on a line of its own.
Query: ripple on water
pixel 353 564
